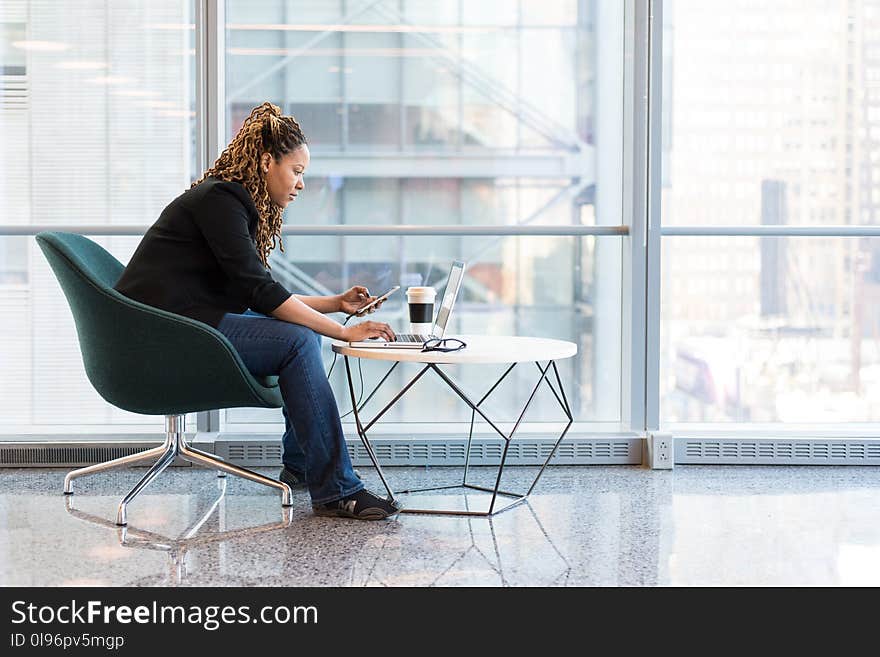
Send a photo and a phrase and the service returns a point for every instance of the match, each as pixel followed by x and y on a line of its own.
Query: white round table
pixel 480 349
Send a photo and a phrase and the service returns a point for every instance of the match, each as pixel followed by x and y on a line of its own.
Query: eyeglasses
pixel 443 344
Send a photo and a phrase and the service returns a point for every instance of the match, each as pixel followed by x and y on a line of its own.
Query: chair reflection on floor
pixel 177 548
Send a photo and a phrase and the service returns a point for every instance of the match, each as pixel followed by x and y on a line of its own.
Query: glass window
pixel 746 107
pixel 537 286
pixel 97 127
pixel 464 113
pixel 770 330
pixel 769 115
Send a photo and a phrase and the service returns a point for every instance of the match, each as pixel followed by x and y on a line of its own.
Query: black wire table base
pixel 518 498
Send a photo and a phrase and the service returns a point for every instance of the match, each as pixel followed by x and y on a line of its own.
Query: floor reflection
pixel 545 567
pixel 178 547
pixel 583 526
pixel 464 551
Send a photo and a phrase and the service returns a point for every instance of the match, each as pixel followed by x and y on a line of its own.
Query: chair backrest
pixel 140 358
pixel 85 256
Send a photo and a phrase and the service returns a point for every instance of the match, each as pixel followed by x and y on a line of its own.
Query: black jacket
pixel 200 260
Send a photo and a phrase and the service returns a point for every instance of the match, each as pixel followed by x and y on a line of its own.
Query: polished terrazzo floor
pixel 583 526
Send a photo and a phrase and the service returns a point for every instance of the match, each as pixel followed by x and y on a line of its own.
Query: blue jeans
pixel 314 445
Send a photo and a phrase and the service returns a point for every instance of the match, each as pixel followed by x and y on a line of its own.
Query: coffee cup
pixel 421 308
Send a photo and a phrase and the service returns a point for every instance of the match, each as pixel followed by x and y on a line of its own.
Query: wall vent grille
pixel 264 452
pixel 777 452
pixel 525 451
pixel 73 456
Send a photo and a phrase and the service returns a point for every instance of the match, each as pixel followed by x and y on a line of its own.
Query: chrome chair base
pixel 175 445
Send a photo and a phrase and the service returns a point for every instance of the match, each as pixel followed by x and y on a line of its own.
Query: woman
pixel 206 257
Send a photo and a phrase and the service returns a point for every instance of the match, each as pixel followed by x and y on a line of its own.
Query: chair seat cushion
pixel 267 381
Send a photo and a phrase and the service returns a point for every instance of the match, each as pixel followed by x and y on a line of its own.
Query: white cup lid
pixel 421 294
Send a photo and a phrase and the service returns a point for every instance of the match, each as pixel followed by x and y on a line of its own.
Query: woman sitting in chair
pixel 207 257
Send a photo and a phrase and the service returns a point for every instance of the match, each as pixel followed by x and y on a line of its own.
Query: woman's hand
pixel 366 330
pixel 356 297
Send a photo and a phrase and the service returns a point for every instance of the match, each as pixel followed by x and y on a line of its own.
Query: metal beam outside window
pixel 210 24
pixel 407 230
pixel 210 81
pixel 653 162
pixel 635 204
pixel 772 231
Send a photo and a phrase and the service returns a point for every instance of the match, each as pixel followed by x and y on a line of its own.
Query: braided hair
pixel 265 130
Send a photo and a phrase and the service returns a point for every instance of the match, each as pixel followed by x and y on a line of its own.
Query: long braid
pixel 265 130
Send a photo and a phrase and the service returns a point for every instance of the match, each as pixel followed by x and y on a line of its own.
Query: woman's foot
pixel 297 480
pixel 362 505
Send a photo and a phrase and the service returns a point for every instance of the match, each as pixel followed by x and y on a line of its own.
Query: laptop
pixel 413 341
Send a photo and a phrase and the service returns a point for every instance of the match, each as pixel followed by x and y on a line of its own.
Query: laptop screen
pixel 456 274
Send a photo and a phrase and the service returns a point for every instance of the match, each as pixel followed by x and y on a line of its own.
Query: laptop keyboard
pixel 409 337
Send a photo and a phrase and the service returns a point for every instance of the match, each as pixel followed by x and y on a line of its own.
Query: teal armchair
pixel 145 360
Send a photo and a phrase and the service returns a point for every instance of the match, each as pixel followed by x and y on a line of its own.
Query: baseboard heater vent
pixel 394 451
pixel 265 452
pixel 36 455
pixel 777 452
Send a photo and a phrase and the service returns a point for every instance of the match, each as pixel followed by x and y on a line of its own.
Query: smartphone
pixel 377 300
